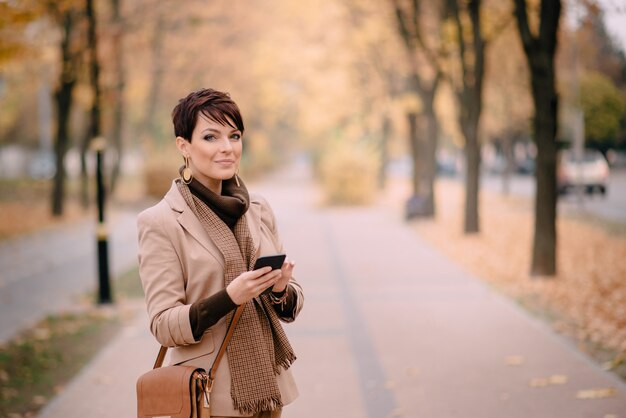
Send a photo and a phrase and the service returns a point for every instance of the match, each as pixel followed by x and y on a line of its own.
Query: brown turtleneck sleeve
pixel 205 313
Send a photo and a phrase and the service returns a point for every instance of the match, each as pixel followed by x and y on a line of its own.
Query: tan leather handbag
pixel 180 391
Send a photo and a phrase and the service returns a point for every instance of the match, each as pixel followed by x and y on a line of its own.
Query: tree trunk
pixel 63 100
pixel 472 176
pixel 94 128
pixel 540 51
pixel 430 153
pixel 425 145
pixel 63 97
pixel 423 154
pixel 469 97
pixel 385 133
pixel 545 126
pixel 415 151
pixel 84 175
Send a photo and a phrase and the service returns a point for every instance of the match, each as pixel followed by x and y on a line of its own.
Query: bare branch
pixel 522 23
pixel 402 27
pixel 456 15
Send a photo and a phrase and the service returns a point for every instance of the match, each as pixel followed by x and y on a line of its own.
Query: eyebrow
pixel 217 130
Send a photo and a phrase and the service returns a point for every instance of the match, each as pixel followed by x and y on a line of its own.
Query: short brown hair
pixel 215 105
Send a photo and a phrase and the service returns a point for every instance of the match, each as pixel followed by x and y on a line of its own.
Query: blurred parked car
pixel 591 172
pixel 525 166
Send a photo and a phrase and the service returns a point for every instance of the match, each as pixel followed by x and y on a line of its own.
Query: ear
pixel 182 144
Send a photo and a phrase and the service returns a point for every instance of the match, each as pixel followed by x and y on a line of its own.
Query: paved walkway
pixel 390 328
pixel 51 271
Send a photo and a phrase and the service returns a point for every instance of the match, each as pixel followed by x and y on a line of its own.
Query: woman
pixel 197 248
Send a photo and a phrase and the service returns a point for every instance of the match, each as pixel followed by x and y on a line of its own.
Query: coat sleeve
pixel 162 278
pixel 288 312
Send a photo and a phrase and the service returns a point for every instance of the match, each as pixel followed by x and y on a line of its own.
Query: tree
pixel 410 21
pixel 14 16
pixel 603 107
pixel 597 51
pixel 68 16
pixel 94 128
pixel 540 50
pixel 471 54
pixel 376 56
pixel 507 105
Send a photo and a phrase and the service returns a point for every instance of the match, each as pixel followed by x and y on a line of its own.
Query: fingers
pixel 268 279
pixel 259 280
pixel 283 281
pixel 287 269
pixel 288 266
pixel 259 272
pixel 251 284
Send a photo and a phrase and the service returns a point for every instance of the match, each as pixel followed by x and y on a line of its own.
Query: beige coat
pixel 178 265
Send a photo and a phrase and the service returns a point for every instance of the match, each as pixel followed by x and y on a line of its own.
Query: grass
pixel 36 365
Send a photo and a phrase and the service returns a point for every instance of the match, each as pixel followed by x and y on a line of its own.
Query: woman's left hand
pixel 287 272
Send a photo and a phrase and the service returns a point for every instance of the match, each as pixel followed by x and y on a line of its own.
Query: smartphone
pixel 274 261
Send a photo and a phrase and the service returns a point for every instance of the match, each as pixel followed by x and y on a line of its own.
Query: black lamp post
pixel 104 284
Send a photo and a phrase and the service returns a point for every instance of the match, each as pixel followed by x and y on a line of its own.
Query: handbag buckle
pixel 207 386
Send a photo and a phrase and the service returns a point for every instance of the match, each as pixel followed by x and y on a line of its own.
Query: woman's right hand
pixel 251 284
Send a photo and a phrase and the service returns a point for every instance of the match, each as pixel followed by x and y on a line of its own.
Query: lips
pixel 225 162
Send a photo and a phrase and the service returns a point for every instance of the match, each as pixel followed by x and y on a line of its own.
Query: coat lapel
pixel 253 216
pixel 188 220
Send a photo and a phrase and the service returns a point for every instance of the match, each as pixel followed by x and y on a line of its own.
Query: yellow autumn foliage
pixel 348 173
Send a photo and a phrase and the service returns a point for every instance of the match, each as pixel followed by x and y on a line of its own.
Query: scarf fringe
pixel 253 407
pixel 285 363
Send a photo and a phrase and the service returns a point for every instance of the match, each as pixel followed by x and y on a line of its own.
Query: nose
pixel 226 145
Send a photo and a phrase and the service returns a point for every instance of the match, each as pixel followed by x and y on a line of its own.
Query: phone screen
pixel 274 261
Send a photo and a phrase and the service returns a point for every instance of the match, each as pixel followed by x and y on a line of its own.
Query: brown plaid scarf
pixel 259 347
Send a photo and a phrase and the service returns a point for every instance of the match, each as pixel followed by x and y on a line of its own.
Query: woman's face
pixel 214 152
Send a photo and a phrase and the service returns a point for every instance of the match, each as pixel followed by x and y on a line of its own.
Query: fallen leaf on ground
pixel 514 360
pixel 8 393
pixel 558 379
pixel 390 384
pixel 42 334
pixel 597 393
pixel 587 298
pixel 412 371
pixel 397 413
pixel 539 383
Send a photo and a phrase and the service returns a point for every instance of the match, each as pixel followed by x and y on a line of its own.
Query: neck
pixel 214 185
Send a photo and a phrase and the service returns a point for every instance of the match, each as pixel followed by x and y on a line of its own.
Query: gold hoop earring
pixel 237 177
pixel 187 174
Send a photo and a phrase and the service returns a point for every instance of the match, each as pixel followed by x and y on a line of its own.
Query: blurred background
pixel 428 107
pixel 310 78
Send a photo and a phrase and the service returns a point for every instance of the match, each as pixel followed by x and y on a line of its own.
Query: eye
pixel 208 137
pixel 235 137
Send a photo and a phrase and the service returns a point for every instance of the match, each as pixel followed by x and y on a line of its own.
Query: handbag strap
pixel 231 329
